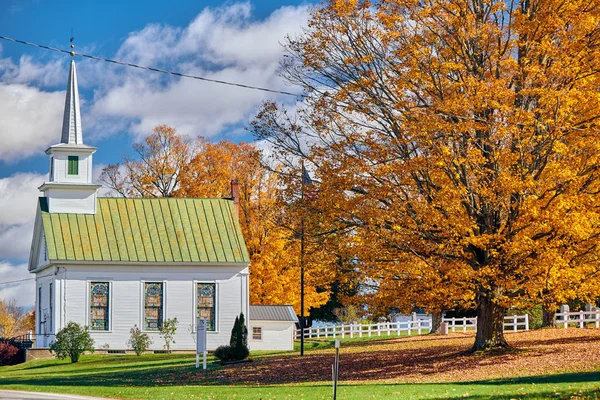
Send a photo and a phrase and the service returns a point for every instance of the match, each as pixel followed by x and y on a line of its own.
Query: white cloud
pixel 23 292
pixel 19 194
pixel 225 43
pixel 49 73
pixel 31 120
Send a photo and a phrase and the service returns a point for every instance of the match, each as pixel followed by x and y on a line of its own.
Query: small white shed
pixel 271 327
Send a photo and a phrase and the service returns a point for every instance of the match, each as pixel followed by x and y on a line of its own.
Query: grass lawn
pixel 546 364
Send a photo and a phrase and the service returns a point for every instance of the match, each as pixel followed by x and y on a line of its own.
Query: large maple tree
pixel 457 141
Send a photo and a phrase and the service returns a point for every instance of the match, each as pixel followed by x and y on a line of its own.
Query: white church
pixel 112 263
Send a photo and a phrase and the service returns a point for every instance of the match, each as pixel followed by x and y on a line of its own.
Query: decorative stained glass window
pixel 206 304
pixel 153 306
pixel 99 294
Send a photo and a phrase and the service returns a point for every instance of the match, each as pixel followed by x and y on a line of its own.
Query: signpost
pixel 336 368
pixel 201 342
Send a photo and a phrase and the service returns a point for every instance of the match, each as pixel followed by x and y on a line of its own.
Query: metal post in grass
pixel 336 368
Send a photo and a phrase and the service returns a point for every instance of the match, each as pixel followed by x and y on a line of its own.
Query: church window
pixel 73 165
pixel 99 295
pixel 205 293
pixel 153 306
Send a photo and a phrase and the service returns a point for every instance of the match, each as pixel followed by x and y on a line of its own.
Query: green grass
pixel 164 376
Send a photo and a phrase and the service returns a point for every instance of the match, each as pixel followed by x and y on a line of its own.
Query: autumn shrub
pixel 72 341
pixel 9 353
pixel 138 341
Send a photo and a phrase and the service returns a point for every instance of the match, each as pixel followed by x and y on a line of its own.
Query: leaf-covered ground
pixel 559 364
pixel 431 359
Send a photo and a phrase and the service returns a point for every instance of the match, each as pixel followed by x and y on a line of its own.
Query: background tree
pixel 14 321
pixel 168 164
pixel 156 170
pixel 459 143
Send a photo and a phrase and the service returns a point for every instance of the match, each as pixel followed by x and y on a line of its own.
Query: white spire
pixel 71 131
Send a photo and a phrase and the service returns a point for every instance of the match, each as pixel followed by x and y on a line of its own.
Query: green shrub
pixel 224 353
pixel 138 341
pixel 167 332
pixel 72 341
pixel 535 315
pixel 239 339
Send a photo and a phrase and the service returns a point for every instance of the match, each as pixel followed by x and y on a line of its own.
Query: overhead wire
pixel 162 71
pixel 16 281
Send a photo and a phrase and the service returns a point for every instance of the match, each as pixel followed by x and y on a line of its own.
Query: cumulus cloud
pixel 31 120
pixel 19 194
pixel 224 43
pixel 23 292
pixel 28 71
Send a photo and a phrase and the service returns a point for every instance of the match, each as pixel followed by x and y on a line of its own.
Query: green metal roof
pixel 147 230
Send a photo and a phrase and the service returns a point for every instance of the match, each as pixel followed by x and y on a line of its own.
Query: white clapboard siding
pixel 276 335
pixel 126 300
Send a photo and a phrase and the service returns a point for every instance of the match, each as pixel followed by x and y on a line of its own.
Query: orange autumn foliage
pixel 458 143
pixel 168 164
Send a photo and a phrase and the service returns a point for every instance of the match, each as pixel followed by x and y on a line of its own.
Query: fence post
pixel 514 323
pixel 409 323
pixel 453 324
pixel 464 324
pixel 565 320
pixel 419 326
pixel 343 331
pixel 581 319
pixel 526 322
pixel 597 319
pixel 388 326
pixel 378 329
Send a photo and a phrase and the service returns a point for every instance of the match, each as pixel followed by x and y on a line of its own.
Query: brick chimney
pixel 235 194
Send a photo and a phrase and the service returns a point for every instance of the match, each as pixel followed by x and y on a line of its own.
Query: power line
pixel 19 280
pixel 162 71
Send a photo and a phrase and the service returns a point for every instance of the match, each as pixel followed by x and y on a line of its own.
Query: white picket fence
pixel 420 326
pixel 578 318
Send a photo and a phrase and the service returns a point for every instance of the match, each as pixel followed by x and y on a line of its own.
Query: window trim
pixel 69 159
pixel 195 306
pixel 142 324
pixel 261 333
pixel 110 304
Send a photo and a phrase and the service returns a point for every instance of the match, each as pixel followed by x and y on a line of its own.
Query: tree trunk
pixel 490 325
pixel 436 320
pixel 548 318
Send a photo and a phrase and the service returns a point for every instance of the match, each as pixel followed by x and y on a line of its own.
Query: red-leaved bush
pixel 8 353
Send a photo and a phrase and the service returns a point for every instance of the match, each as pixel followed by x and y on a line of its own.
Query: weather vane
pixel 72 45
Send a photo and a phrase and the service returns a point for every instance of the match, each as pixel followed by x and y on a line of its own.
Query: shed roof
pixel 259 312
pixel 147 230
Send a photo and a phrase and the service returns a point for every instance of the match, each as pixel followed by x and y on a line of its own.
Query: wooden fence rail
pixel 578 318
pixel 419 326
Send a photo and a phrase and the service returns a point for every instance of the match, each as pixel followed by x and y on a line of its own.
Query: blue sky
pixel 233 41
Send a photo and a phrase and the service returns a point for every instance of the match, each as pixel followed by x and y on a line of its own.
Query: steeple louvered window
pixel 73 165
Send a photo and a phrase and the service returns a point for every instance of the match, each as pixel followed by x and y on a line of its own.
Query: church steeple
pixel 69 188
pixel 71 130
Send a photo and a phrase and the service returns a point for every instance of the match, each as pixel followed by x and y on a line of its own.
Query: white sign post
pixel 201 342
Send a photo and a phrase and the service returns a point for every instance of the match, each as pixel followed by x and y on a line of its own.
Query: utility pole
pixel 302 264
